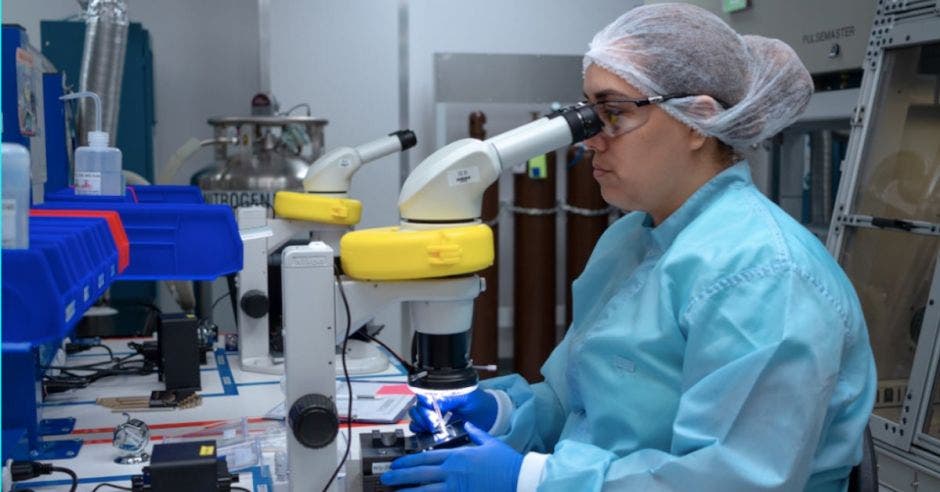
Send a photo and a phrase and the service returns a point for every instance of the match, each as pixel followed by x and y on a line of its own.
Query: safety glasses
pixel 621 116
pixel 624 115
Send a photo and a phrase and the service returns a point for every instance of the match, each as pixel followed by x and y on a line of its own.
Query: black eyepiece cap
pixel 582 119
pixel 406 137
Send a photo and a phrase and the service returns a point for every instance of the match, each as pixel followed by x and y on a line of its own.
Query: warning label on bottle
pixel 87 182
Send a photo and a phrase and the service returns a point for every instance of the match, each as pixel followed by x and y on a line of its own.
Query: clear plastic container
pixel 98 167
pixel 16 186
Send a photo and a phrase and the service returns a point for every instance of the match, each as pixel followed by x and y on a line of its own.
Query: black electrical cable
pixel 26 470
pixel 119 487
pixel 118 360
pixel 69 473
pixel 75 347
pixel 349 390
pixel 59 383
pixel 95 365
pixel 403 362
pixel 217 301
pixel 69 377
pixel 110 353
pixel 232 293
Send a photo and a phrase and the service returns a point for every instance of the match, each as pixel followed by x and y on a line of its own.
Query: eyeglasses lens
pixel 621 117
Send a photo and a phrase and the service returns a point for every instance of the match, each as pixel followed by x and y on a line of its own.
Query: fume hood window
pixel 899 178
pixel 900 172
pixel 891 272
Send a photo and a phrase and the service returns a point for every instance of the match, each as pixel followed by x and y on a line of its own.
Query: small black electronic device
pixel 379 449
pixel 184 467
pixel 178 342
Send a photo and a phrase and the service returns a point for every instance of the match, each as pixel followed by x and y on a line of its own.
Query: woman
pixel 715 343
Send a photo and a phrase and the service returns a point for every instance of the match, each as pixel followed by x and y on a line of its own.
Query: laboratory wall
pixel 368 67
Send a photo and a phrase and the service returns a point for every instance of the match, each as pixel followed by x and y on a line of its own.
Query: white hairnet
pixel 673 48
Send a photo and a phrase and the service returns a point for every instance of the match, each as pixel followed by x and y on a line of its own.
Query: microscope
pixel 427 262
pixel 323 212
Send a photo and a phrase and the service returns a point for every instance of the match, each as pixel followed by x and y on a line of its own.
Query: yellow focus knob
pixel 316 208
pixel 444 254
pixel 393 253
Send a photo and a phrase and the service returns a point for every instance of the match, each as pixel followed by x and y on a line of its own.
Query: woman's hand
pixel 491 465
pixel 477 407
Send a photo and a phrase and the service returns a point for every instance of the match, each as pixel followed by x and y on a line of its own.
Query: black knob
pixel 254 303
pixel 313 420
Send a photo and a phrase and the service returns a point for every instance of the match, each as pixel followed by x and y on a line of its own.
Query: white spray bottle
pixel 97 166
pixel 16 187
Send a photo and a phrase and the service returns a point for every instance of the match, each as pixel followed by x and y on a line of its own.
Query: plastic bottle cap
pixel 97 139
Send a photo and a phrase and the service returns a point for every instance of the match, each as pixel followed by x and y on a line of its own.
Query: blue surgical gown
pixel 721 350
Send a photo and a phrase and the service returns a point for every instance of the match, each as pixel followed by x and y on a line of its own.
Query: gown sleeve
pixel 538 414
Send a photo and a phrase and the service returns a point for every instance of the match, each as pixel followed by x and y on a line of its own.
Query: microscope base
pixel 262 365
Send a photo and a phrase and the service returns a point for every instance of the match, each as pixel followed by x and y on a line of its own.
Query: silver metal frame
pixel 930 331
pixel 897 24
pixel 869 222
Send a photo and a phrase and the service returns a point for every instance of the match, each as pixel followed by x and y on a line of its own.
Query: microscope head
pixel 447 188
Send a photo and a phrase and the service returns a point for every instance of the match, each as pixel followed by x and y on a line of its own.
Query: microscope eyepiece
pixel 407 138
pixel 582 119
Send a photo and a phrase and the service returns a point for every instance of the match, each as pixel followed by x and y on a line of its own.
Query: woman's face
pixel 648 167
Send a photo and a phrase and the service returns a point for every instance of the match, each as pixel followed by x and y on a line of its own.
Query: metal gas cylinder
pixel 256 156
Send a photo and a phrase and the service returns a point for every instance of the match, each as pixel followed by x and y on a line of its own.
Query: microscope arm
pixel 448 186
pixel 332 172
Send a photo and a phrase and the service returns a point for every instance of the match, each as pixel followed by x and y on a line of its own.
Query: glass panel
pixel 932 423
pixel 891 272
pixel 900 170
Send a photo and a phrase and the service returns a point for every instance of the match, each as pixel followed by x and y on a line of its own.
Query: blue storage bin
pixel 99 235
pixel 65 274
pixel 135 194
pixel 173 241
pixel 34 307
pixel 76 259
pixel 45 290
pixel 94 250
pixel 168 194
pixel 87 249
pixel 70 263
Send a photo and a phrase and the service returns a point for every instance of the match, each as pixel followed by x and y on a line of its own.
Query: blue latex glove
pixel 491 465
pixel 478 407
